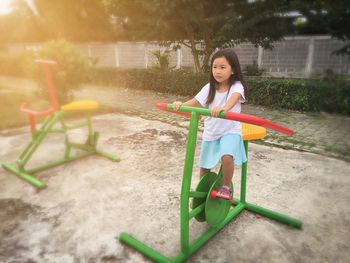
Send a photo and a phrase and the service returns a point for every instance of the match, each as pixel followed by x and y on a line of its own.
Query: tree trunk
pixel 195 54
pixel 206 65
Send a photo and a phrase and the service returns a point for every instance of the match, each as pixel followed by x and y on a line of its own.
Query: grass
pixel 300 144
pixel 344 153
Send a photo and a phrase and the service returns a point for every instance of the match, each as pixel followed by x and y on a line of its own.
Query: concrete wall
pixel 299 57
pixel 287 58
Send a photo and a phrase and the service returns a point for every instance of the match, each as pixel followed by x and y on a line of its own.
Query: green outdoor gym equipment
pixel 55 117
pixel 215 211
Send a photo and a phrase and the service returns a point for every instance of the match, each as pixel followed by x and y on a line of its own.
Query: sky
pixel 5 6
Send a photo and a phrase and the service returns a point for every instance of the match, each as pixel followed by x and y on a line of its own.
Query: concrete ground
pixel 89 202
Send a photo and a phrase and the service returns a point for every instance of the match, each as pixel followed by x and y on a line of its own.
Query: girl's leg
pixel 203 171
pixel 227 169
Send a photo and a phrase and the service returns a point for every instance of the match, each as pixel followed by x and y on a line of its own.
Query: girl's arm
pixel 192 102
pixel 229 104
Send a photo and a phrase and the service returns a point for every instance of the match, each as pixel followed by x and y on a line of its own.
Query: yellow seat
pixel 80 105
pixel 252 132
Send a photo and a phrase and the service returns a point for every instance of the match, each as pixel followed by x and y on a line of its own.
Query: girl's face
pixel 221 70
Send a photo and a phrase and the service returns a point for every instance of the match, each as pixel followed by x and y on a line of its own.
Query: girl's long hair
pixel 232 59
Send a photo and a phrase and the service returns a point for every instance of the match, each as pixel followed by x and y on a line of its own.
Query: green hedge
pixel 302 95
pixel 294 94
pixel 182 82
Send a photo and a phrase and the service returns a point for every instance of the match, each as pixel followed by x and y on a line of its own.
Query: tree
pixel 20 25
pixel 192 22
pixel 326 17
pixel 79 20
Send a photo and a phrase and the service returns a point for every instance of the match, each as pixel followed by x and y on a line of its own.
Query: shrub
pixel 162 58
pixel 302 95
pixel 182 82
pixel 294 94
pixel 72 68
pixel 254 70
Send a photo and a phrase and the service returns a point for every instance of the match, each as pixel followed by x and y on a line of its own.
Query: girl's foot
pixel 224 193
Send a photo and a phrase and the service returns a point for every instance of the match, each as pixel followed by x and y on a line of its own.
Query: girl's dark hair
pixel 232 59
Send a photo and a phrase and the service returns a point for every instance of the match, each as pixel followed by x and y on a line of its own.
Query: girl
pixel 222 139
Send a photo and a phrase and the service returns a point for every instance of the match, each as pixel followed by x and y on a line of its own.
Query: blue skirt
pixel 229 144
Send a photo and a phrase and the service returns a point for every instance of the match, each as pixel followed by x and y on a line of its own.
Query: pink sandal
pixel 224 193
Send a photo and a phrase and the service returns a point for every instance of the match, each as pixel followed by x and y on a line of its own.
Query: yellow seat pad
pixel 252 132
pixel 80 105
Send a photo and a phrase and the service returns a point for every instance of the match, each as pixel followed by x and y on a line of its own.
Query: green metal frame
pixel 187 248
pixel 46 128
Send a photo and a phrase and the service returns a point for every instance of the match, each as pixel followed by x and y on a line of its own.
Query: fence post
pixel 178 58
pixel 116 56
pixel 310 58
pixel 89 50
pixel 146 55
pixel 260 54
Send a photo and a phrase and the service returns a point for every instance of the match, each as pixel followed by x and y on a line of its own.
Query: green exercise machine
pixel 216 212
pixel 54 117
